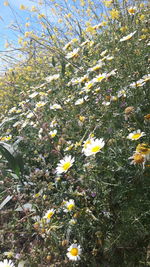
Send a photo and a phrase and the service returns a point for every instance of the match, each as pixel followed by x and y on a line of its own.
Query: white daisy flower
pixel 30 115
pixel 74 252
pixel 100 77
pixel 64 164
pixel 135 135
pixel 48 215
pixel 139 83
pixel 9 254
pixel 96 67
pixel 146 77
pixel 53 123
pixel 93 147
pixel 52 78
pixel 69 205
pixel 6 263
pixel 127 37
pixel 33 95
pixel 40 104
pixel 53 133
pixel 80 101
pixel 55 106
pixel 73 54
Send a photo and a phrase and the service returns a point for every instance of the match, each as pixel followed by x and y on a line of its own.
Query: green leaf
pixel 14 159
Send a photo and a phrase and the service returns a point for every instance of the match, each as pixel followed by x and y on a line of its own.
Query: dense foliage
pixel 75 145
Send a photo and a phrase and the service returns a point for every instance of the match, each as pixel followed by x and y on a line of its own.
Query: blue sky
pixel 12 14
pixel 7 17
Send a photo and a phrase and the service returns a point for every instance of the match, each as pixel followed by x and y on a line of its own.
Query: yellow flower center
pixel 66 166
pixel 132 10
pixel 50 214
pixel 95 149
pixel 74 251
pixel 100 78
pixel 70 206
pixel 136 136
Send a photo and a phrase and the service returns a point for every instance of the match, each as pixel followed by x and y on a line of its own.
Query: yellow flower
pixel 144 149
pixel 6 138
pixel 142 17
pixel 147 117
pixel 108 3
pixel 27 24
pixel 137 158
pixel 114 13
pixel 22 7
pixel 41 16
pixel 82 118
pixel 6 3
pixel 123 28
pixel 33 9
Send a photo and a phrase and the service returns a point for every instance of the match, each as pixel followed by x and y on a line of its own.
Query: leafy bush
pixel 81 123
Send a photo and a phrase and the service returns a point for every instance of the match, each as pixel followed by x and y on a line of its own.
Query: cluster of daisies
pixel 73 253
pixel 90 147
pixel 142 152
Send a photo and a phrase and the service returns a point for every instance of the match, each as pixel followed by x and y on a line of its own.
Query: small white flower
pixel 53 133
pixel 135 135
pixel 104 53
pixel 9 254
pixel 122 93
pixel 100 77
pixel 55 106
pixel 33 95
pixel 48 215
pixel 146 77
pixel 127 37
pixel 6 263
pixel 139 83
pixel 88 85
pixel 53 123
pixel 80 101
pixel 96 67
pixel 106 103
pixel 30 115
pixel 52 78
pixel 74 252
pixel 64 164
pixel 69 205
pixel 93 146
pixel 40 104
pixel 73 54
pixel 72 222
